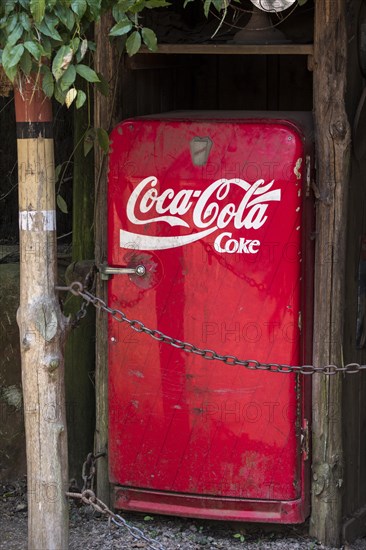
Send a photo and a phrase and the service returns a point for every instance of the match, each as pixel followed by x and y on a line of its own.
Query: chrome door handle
pixel 106 271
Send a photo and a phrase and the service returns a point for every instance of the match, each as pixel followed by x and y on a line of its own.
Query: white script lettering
pixel 210 210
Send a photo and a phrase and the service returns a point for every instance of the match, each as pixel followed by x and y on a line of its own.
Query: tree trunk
pixel 42 325
pixel 333 160
pixel 106 62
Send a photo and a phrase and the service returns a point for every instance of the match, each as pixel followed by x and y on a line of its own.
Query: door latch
pixel 106 271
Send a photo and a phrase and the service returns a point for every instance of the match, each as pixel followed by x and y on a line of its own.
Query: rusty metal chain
pixel 79 315
pixel 89 284
pixel 88 498
pixel 89 470
pixel 77 289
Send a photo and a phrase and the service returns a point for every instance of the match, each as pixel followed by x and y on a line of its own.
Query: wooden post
pixel 333 160
pixel 41 323
pixel 80 352
pixel 106 62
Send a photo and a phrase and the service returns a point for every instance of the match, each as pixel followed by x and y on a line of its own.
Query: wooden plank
pixel 232 49
pixel 106 62
pixel 79 351
pixel 353 429
pixel 157 61
pixel 332 133
pixel 354 417
pixel 355 526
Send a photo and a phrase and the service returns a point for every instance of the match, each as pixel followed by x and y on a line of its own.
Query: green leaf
pixel 47 47
pixel 86 72
pixel 187 2
pixel 89 141
pixel 11 23
pixel 219 4
pixel 66 16
pixel 102 86
pixel 24 3
pixel 301 2
pixel 35 49
pixel 137 6
pixel 61 203
pixel 58 171
pixel 61 61
pixel 80 99
pixel 122 27
pixel 11 72
pixel 237 536
pixel 148 518
pixel 12 55
pixel 26 62
pixel 59 94
pixel 126 5
pixel 38 8
pixel 16 34
pixel 79 7
pixel 103 139
pixel 48 84
pixel 95 8
pixel 68 78
pixel 149 38
pixel 156 4
pixel 206 7
pixel 51 19
pixel 9 6
pixel 118 13
pixel 48 29
pixel 25 21
pixel 92 46
pixel 133 43
pixel 75 43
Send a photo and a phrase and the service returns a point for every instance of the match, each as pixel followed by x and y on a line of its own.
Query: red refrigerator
pixel 217 209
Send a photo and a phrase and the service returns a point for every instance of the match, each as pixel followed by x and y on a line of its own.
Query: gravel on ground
pixel 90 530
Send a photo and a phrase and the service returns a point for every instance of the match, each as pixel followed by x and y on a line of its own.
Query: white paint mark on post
pixel 37 220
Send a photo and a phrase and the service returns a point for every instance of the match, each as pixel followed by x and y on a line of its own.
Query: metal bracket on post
pixel 106 271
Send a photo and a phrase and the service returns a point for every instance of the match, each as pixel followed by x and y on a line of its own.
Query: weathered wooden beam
pixel 231 49
pixel 80 352
pixel 106 62
pixel 332 133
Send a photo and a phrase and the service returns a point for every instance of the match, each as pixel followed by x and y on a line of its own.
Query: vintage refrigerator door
pixel 222 246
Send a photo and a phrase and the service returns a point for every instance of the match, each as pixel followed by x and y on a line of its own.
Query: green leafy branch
pixel 126 15
pixel 48 38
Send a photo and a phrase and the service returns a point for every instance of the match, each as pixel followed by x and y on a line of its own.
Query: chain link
pixel 77 289
pixel 89 470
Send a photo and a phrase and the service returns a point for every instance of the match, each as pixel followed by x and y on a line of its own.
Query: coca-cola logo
pixel 209 210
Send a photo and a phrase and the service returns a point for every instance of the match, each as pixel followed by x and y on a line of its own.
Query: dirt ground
pixel 92 531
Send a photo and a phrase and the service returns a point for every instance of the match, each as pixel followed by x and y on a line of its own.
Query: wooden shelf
pixel 232 49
